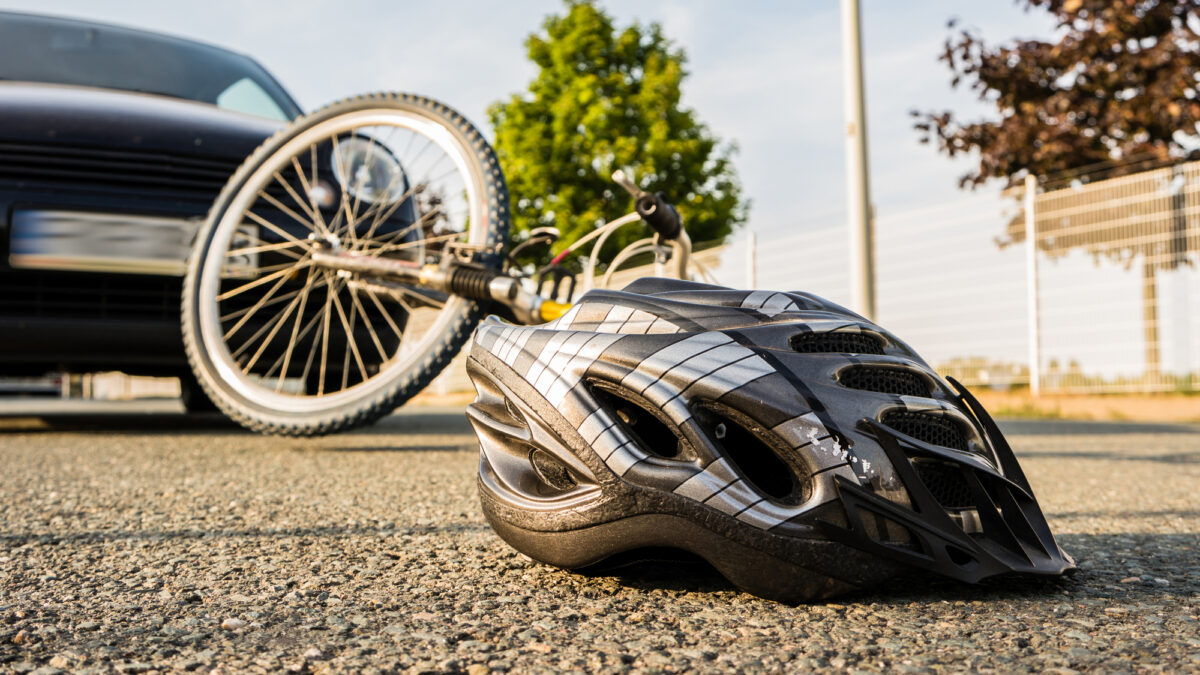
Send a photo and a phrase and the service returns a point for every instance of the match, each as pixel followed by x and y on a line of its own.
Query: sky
pixel 765 75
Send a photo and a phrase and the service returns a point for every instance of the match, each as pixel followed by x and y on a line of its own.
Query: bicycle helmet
pixel 799 448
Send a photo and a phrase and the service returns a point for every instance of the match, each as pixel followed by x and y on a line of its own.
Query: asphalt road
pixel 149 541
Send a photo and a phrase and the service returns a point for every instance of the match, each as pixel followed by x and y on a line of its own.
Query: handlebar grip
pixel 659 215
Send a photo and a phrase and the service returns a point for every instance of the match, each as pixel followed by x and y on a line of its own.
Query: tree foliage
pixel 607 99
pixel 1119 84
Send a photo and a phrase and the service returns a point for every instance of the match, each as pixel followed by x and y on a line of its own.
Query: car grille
pixel 30 169
pixel 63 295
pixel 114 172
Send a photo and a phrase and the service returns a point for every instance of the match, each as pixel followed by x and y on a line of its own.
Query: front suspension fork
pixel 469 282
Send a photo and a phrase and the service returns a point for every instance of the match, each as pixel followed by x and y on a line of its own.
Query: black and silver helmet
pixel 799 448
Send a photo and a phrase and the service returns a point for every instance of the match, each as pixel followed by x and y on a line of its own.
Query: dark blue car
pixel 113 145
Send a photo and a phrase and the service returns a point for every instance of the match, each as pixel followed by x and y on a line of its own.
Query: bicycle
pixel 349 258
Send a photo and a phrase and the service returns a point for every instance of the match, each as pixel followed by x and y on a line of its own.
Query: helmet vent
pixel 945 482
pixel 635 417
pixel 759 464
pixel 933 429
pixel 884 380
pixel 552 471
pixel 843 342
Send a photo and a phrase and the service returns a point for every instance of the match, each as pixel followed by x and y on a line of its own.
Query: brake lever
pixel 537 237
pixel 626 181
pixel 555 277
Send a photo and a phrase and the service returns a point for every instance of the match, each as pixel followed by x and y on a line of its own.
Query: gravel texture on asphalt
pixel 156 542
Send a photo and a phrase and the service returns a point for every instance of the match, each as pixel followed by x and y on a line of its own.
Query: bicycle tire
pixel 246 396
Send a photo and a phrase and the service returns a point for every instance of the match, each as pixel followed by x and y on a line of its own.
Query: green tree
pixel 607 99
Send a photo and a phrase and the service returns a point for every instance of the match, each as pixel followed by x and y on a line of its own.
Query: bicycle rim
pixel 283 334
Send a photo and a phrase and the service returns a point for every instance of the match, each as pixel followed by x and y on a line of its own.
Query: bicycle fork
pixel 407 281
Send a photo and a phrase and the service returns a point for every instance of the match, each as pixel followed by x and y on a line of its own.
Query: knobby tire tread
pixel 357 413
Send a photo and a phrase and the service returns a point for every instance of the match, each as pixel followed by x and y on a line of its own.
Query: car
pixel 114 144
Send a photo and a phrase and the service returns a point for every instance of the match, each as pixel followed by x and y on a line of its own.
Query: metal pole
pixel 858 192
pixel 1031 284
pixel 1150 321
pixel 751 262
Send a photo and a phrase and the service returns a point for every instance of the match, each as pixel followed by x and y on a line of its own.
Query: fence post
pixel 751 260
pixel 1031 281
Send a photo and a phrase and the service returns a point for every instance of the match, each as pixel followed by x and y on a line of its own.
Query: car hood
pixel 87 117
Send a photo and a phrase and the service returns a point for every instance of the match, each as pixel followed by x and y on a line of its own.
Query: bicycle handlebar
pixel 654 209
pixel 659 214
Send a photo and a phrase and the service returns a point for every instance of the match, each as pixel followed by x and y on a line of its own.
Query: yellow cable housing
pixel 551 310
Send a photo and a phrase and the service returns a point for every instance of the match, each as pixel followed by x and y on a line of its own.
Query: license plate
pixel 112 242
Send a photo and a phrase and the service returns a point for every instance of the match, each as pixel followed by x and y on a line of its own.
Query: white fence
pixel 942 284
pixel 1117 299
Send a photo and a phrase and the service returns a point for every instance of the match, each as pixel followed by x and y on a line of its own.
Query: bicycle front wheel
pixel 285 346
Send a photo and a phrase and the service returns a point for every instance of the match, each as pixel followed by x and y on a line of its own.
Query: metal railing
pixel 1133 242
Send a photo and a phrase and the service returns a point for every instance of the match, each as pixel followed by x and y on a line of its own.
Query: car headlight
pixel 367 170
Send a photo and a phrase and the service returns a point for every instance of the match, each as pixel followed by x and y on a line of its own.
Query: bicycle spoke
pixel 341 169
pixel 274 301
pixel 255 307
pixel 246 345
pixel 278 266
pixel 312 156
pixel 287 236
pixel 325 340
pixel 415 160
pixel 324 317
pixel 259 282
pixel 296 335
pixel 282 207
pixel 408 146
pixel 392 235
pixel 282 319
pixel 352 225
pixel 387 248
pixel 349 340
pixel 428 181
pixel 335 224
pixel 308 190
pixel 374 209
pixel 376 220
pixel 284 247
pixel 386 314
pixel 427 299
pixel 353 346
pixel 419 222
pixel 383 356
pixel 299 337
pixel 382 217
pixel 313 214
pixel 263 248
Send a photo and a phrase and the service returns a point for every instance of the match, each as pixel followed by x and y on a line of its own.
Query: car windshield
pixel 63 51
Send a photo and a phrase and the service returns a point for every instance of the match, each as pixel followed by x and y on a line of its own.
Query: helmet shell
pixel 799 448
